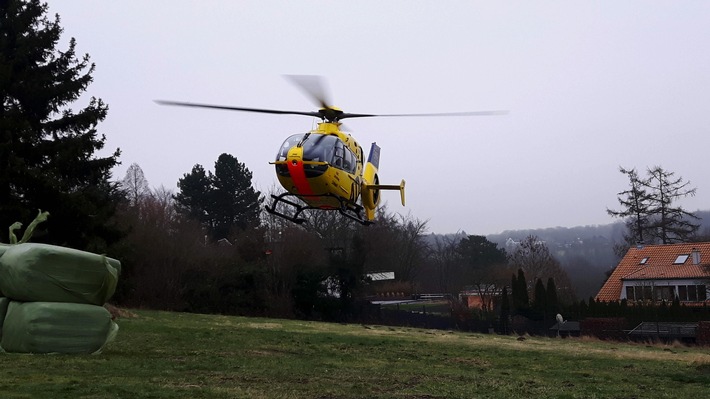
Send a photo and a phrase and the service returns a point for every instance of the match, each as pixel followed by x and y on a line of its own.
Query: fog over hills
pixel 585 252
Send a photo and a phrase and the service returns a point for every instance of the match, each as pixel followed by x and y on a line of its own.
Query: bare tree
pixel 446 261
pixel 135 185
pixel 535 259
pixel 411 248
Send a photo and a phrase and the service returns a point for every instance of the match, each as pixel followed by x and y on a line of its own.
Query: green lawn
pixel 168 355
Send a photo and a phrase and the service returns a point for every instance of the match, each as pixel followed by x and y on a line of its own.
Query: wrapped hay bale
pixel 3 309
pixel 32 272
pixel 49 327
pixel 3 248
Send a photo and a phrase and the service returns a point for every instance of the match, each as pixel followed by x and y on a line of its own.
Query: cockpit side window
pixel 338 155
pixel 350 163
pixel 344 158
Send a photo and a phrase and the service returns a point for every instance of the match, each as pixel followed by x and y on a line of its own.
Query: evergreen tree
pixel 47 149
pixel 670 224
pixel 635 205
pixel 551 301
pixel 235 202
pixel 193 198
pixel 649 212
pixel 221 202
pixel 540 299
pixel 504 310
pixel 478 252
pixel 521 300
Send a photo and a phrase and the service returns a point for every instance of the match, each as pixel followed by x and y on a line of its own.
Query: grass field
pixel 178 355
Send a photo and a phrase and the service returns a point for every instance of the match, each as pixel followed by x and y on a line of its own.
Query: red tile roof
pixel 659 265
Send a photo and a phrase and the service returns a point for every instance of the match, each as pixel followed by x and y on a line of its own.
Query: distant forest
pixel 586 253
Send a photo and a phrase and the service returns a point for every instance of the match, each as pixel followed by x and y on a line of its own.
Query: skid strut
pixel 349 210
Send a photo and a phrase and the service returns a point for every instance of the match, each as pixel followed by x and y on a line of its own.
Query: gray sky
pixel 590 86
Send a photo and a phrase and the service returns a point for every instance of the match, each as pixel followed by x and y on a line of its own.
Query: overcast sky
pixel 590 86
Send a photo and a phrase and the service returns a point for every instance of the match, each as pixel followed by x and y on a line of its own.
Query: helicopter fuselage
pixel 323 167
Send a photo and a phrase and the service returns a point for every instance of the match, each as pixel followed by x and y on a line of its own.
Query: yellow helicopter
pixel 325 168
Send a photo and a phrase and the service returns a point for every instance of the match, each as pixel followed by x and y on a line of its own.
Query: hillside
pixel 585 252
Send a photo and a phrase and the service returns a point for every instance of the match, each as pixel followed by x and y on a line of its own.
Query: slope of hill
pixel 585 252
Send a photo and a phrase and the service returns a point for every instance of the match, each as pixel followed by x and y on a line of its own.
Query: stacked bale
pixel 53 299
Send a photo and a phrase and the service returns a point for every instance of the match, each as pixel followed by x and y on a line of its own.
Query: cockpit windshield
pixel 321 148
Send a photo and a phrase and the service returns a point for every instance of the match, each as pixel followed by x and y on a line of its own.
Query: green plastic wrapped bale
pixel 3 248
pixel 51 327
pixel 33 272
pixel 3 310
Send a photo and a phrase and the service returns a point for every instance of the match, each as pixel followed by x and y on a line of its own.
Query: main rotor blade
pixel 474 113
pixel 228 108
pixel 313 86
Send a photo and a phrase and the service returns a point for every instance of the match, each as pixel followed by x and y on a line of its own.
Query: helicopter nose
pixel 298 175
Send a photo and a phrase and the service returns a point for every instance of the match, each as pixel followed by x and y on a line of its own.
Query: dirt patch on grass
pixel 264 326
pixel 117 312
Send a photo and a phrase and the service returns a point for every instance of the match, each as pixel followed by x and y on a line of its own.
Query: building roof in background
pixel 654 262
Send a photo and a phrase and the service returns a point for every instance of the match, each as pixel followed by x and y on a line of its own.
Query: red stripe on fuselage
pixel 298 175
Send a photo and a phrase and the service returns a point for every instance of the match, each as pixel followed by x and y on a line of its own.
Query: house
pixel 484 297
pixel 661 273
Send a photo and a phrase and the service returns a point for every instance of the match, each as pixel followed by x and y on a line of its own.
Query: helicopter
pixel 325 168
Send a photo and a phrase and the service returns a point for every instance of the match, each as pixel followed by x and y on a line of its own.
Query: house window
pixel 681 259
pixel 692 293
pixel 643 261
pixel 639 292
pixel 664 293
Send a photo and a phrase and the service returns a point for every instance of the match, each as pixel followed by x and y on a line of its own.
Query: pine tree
pixel 193 198
pixel 635 205
pixel 540 299
pixel 521 300
pixel 504 310
pixel 649 212
pixel 221 201
pixel 551 301
pixel 47 150
pixel 236 203
pixel 670 224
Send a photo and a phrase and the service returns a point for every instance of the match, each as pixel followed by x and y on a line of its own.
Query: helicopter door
pixel 343 158
pixel 339 155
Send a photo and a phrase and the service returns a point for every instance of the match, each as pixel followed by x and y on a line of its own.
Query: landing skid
pixel 349 210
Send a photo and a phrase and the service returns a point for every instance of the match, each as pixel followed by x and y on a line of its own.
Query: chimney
pixel 695 255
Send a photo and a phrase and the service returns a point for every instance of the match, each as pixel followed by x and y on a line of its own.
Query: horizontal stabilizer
pixel 399 187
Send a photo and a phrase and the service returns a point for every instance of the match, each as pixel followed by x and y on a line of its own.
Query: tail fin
pixel 371 184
